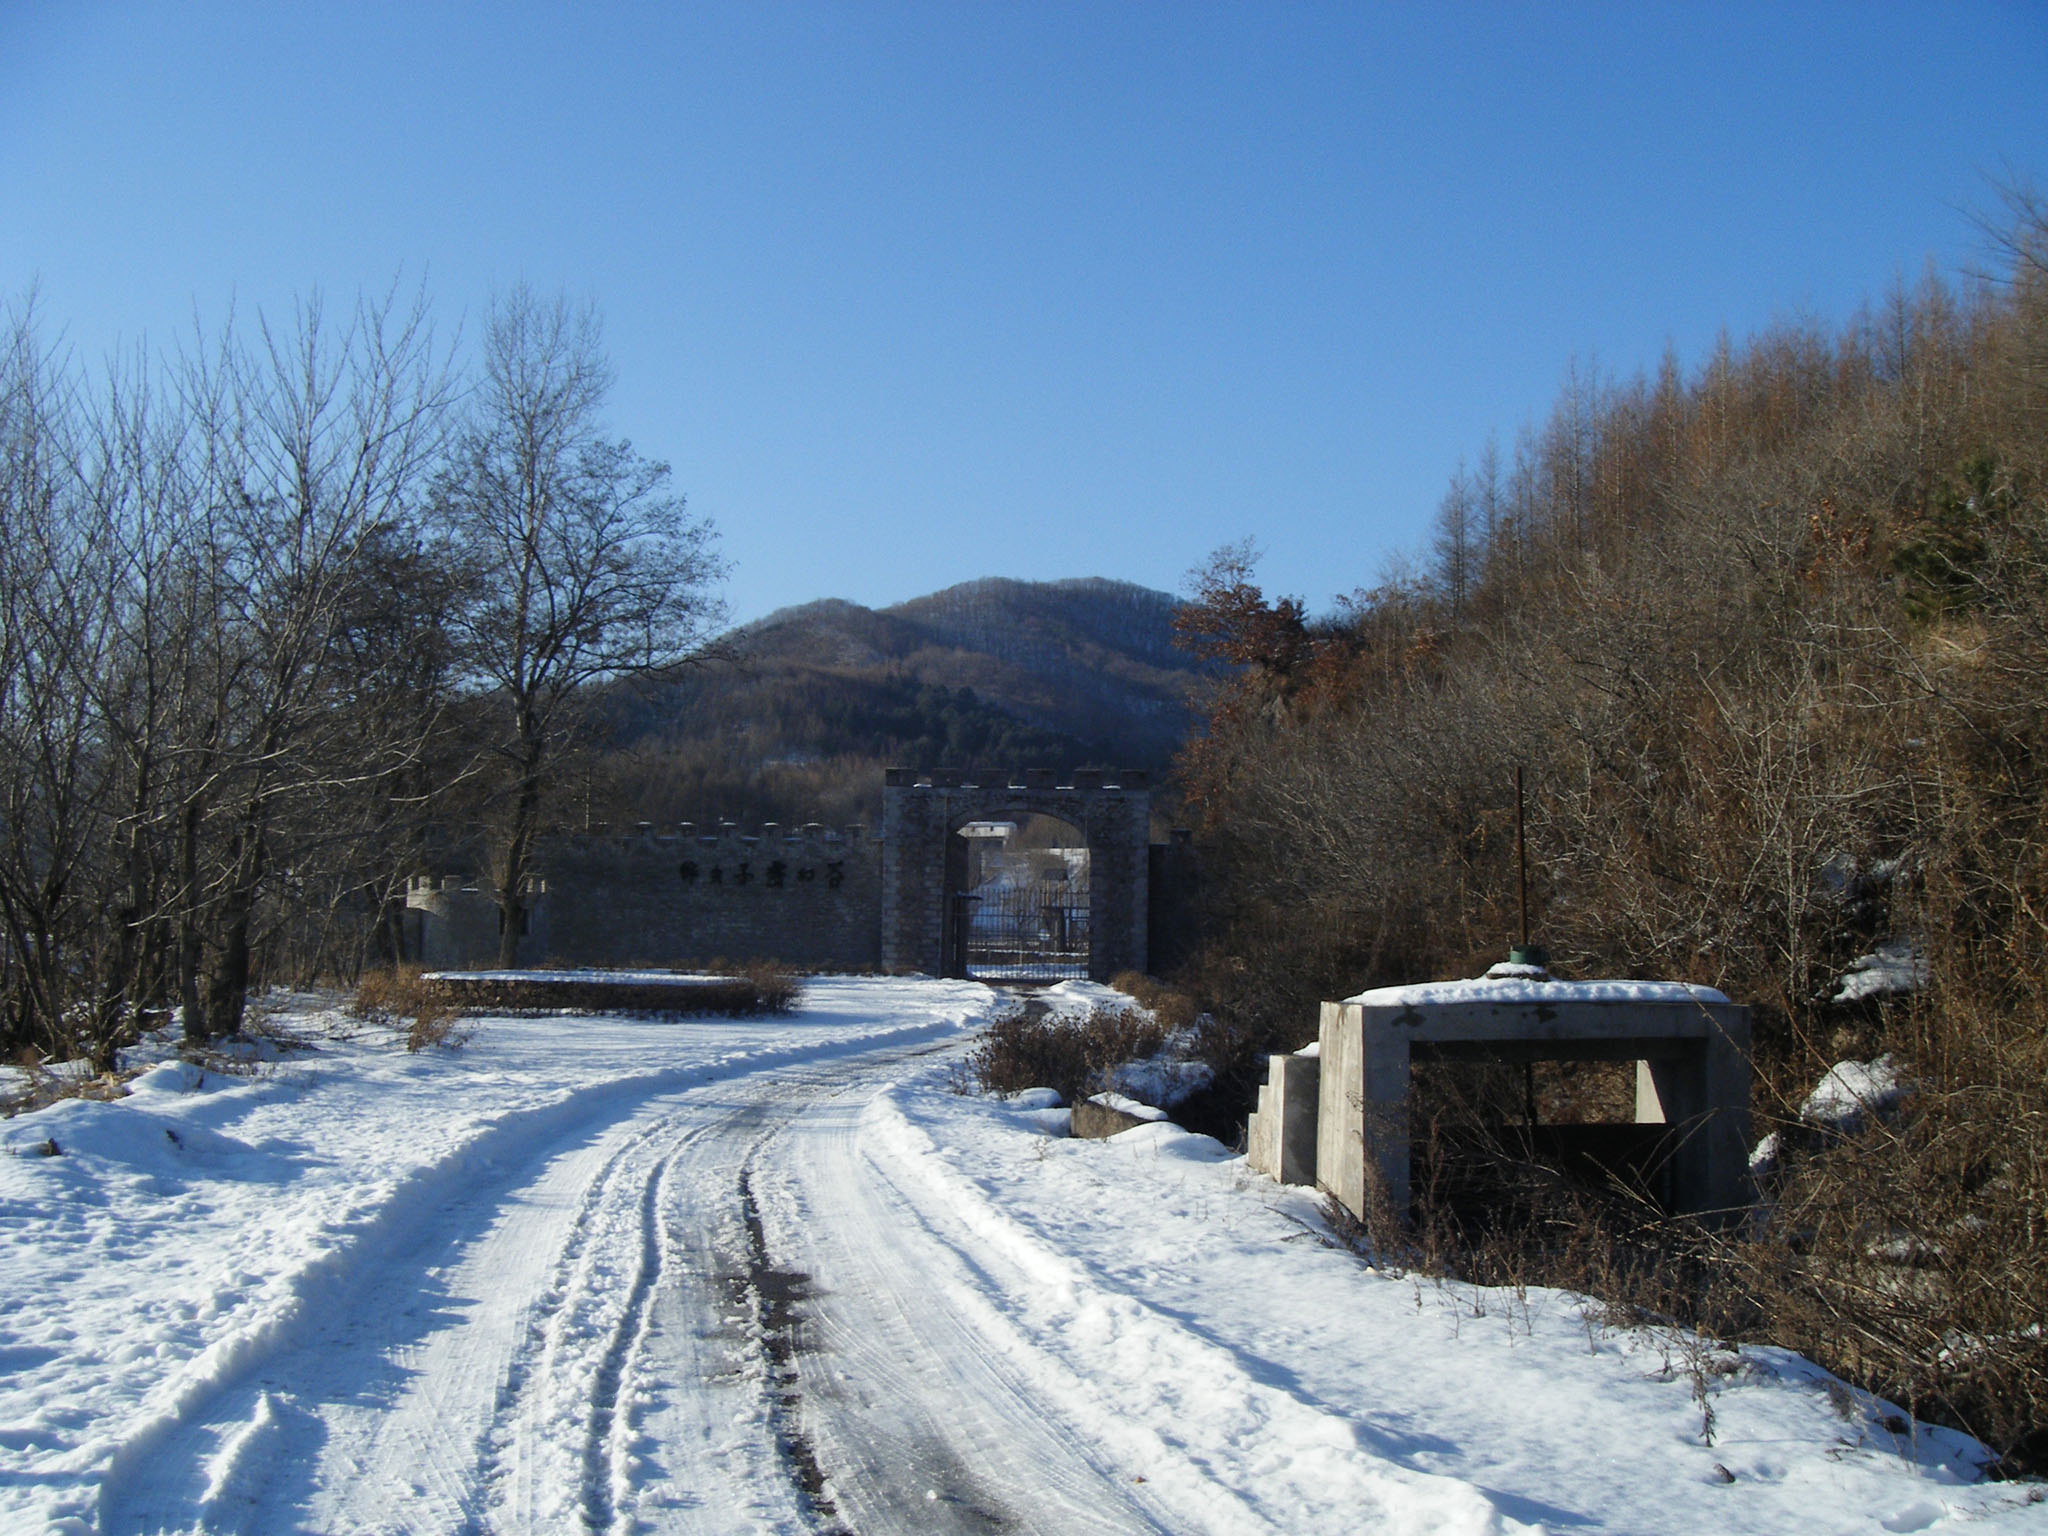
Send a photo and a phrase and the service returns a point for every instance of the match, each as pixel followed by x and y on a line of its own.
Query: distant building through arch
pixel 926 916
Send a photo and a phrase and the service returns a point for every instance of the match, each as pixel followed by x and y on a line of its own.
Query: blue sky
pixel 909 294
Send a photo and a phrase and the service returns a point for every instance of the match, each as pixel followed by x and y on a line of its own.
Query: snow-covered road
pixel 621 1275
pixel 597 1333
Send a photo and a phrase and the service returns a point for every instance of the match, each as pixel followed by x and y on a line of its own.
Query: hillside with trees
pixel 805 708
pixel 1769 637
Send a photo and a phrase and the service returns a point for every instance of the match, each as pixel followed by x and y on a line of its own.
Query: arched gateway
pixel 927 907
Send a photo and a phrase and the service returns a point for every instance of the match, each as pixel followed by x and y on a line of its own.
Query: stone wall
pixel 807 897
pixel 813 897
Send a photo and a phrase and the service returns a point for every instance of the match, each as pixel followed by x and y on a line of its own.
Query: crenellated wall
pixel 806 897
pixel 817 897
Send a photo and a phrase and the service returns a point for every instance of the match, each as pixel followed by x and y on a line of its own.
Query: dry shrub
pixel 400 994
pixel 391 992
pixel 1035 1049
pixel 1910 1255
pixel 435 1025
pixel 762 988
pixel 775 989
pixel 1171 1007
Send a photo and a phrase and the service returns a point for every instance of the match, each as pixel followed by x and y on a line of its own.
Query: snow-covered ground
pixel 779 1275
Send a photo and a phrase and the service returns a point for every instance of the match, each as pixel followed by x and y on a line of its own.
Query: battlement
pixel 647 834
pixel 1109 780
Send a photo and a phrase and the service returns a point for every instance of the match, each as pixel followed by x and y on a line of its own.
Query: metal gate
pixel 1028 929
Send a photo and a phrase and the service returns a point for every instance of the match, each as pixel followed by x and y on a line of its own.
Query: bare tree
pixel 583 568
pixel 54 639
pixel 310 454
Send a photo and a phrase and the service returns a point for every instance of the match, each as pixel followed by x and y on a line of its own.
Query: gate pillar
pixel 922 810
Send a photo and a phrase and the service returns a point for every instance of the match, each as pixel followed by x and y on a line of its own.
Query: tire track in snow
pixel 515 1352
pixel 390 1385
pixel 549 1453
pixel 1077 1327
pixel 588 1346
pixel 382 1271
pixel 919 1413
pixel 606 1453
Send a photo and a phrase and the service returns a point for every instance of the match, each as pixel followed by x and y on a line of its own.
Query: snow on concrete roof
pixel 1531 984
pixel 615 978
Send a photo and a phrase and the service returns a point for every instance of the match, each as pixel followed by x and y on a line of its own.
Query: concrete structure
pixel 924 861
pixel 451 923
pixel 1690 1046
pixel 1280 1138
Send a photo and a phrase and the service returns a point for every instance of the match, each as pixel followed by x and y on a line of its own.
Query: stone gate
pixel 924 860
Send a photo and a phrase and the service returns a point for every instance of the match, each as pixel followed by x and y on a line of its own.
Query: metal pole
pixel 1521 858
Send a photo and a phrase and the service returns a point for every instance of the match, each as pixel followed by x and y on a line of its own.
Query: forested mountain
pixel 815 699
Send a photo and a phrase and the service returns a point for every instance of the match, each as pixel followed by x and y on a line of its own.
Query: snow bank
pixel 1078 999
pixel 1201 1329
pixel 1166 1078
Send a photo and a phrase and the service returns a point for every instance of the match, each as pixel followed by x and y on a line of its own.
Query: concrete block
pixel 1280 1139
pixel 1095 1121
